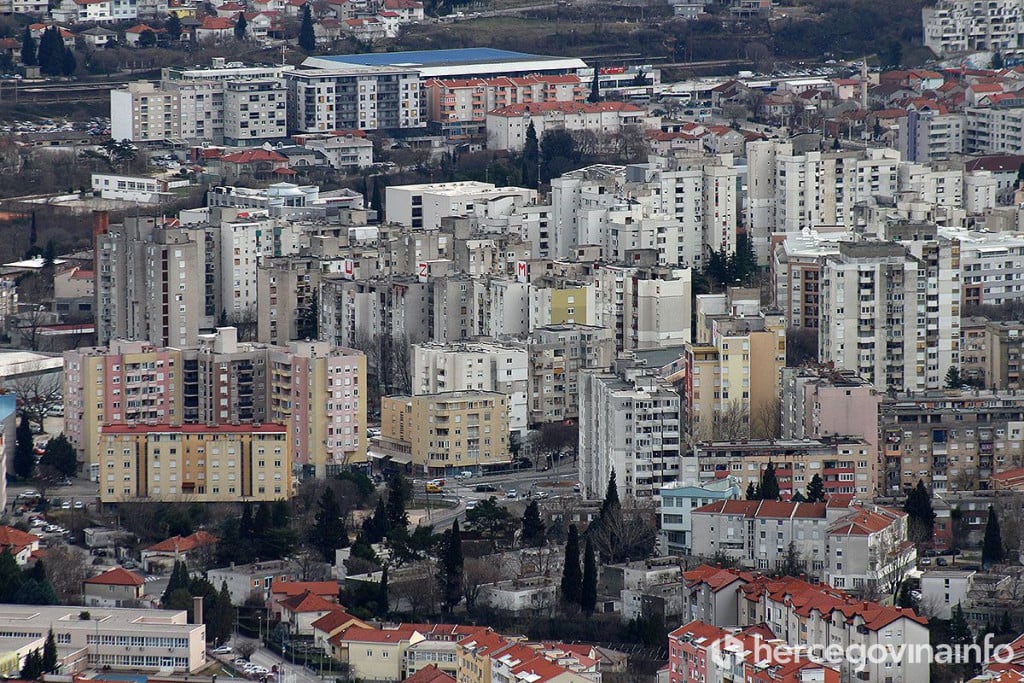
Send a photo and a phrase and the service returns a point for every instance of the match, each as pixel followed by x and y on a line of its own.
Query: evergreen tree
pixel 572 575
pixel 611 496
pixel 798 497
pixel 32 670
pixel 60 455
pixel 533 526
pixel 173 27
pixel 24 457
pixel 769 483
pixel 49 660
pixel 953 379
pixel 816 490
pixel 33 233
pixel 309 319
pixel 383 599
pixel 918 507
pixel 51 52
pixel 223 623
pixel 595 86
pixel 530 158
pixel 179 580
pixel 246 526
pixel 959 631
pixel 1005 624
pixel 752 493
pixel 29 56
pixel 307 37
pixel 377 196
pixel 10 576
pixel 588 589
pixel 399 493
pixel 240 26
pixel 450 569
pixel 261 521
pixel 328 532
pixel 905 597
pixel 992 551
pixel 375 527
pixel 997 61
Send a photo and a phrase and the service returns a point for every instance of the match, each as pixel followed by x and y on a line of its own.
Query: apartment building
pixel 958 26
pixel 316 390
pixel 286 288
pixel 508 126
pixel 952 440
pixel 354 98
pixel 629 423
pixel 192 103
pixel 444 433
pixel 424 206
pixel 399 306
pixel 561 301
pixel 557 355
pixel 700 652
pixel 485 366
pixel 647 306
pixel 845 463
pixel 994 130
pixel 788 191
pixel 928 136
pixel 146 281
pixel 733 367
pixel 255 112
pixel 222 463
pixel 132 640
pixel 255 580
pixel 932 183
pixel 859 547
pixel 818 400
pixel 796 260
pixel 992 266
pixel 676 503
pixel 458 107
pixel 890 316
pixel 805 614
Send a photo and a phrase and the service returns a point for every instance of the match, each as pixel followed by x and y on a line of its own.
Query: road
pixel 293 673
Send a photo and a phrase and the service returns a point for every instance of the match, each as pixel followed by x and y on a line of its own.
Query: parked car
pixel 471 505
pixel 512 494
pixel 942 562
pixel 222 650
pixel 485 488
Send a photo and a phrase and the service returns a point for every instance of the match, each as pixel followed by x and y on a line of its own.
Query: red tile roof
pixel 116 577
pixel 249 156
pixel 183 544
pixel 217 24
pixel 335 619
pixel 514 110
pixel 16 539
pixel 308 602
pixel 373 635
pixel 292 588
pixel 402 4
pixel 430 674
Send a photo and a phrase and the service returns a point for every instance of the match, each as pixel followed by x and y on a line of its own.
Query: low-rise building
pixel 115 587
pixel 20 544
pixel 849 546
pixel 677 500
pixel 944 589
pixel 254 580
pixel 529 594
pixel 507 127
pixel 130 188
pixel 133 640
pixel 191 549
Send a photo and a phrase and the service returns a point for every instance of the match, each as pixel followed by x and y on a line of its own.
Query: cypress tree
pixel 611 496
pixel 240 26
pixel 572 575
pixel 173 27
pixel 29 56
pixel 595 86
pixel 769 483
pixel 992 547
pixel 24 457
pixel 328 532
pixel 816 490
pixel 68 63
pixel 451 569
pixel 49 659
pixel 533 526
pixel 588 591
pixel 752 492
pixel 531 157
pixel 307 36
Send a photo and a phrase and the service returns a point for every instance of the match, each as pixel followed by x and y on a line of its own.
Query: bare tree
pixel 625 534
pixel 245 321
pixel 66 568
pixel 245 648
pixel 477 573
pixel 767 419
pixel 965 479
pixel 311 565
pixel 39 394
pixel 733 423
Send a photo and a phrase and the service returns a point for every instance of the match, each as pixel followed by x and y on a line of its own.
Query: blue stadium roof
pixel 469 55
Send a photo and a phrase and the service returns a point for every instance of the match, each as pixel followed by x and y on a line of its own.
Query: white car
pixel 222 650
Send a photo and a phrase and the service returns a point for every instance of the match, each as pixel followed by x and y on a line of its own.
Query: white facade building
pixel 629 422
pixel 424 205
pixel 437 368
pixel 957 26
pixel 355 98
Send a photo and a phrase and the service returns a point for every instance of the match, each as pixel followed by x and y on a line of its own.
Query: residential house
pixel 189 549
pixel 300 611
pixel 253 163
pixel 331 624
pixel 375 654
pixel 281 591
pixel 430 674
pixel 213 29
pixel 20 544
pixel 115 587
pixel 98 37
pixel 133 36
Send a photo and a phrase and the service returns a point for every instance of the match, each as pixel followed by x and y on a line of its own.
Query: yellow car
pixel 433 488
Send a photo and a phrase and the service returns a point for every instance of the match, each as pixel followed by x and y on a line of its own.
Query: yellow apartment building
pixel 198 463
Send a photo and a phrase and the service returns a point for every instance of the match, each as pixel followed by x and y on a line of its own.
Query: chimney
pixel 197 610
pixel 100 222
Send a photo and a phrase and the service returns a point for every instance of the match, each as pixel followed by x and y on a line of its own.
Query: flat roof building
pixel 473 62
